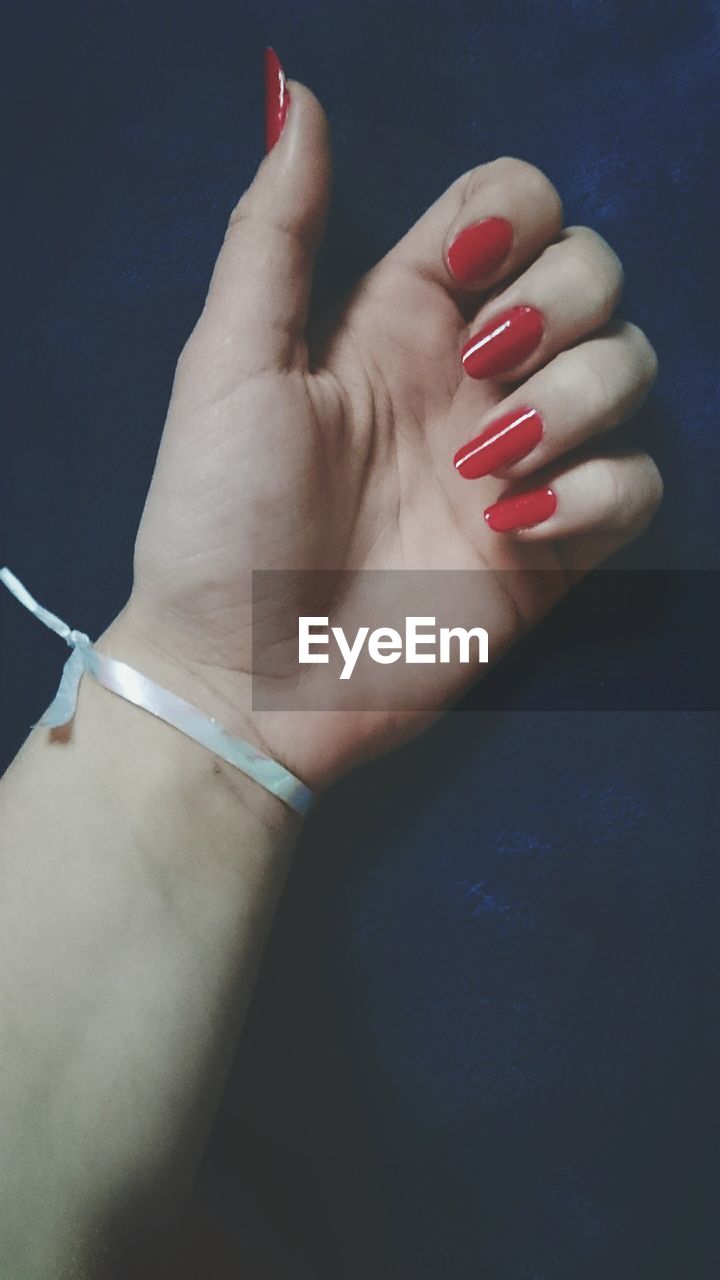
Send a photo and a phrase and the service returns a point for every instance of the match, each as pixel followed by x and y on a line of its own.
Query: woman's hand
pixel 139 876
pixel 333 447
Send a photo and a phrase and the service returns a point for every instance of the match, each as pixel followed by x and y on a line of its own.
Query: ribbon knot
pixel 137 688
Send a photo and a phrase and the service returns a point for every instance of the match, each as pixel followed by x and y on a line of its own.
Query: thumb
pixel 260 290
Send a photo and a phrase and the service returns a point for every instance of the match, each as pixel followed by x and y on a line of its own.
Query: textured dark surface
pixel 486 1042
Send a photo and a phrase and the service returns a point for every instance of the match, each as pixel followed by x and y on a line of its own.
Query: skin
pixel 139 873
pixel 331 447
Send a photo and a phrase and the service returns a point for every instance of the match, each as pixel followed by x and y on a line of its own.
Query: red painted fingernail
pixel 478 249
pixel 503 342
pixel 521 511
pixel 277 99
pixel 506 440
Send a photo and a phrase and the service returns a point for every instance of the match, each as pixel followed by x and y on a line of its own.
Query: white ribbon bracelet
pixel 138 689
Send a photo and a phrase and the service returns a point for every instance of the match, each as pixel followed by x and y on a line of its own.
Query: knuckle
pixel 581 379
pixel 629 489
pixel 632 365
pixel 654 486
pixel 519 170
pixel 645 355
pixel 606 478
pixel 534 183
pixel 470 183
pixel 510 171
pixel 610 377
pixel 596 387
pixel 647 493
pixel 596 268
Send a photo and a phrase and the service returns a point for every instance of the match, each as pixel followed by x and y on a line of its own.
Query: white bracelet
pixel 138 689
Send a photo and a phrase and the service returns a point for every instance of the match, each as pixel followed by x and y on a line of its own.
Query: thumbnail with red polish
pixel 505 441
pixel 479 249
pixel 503 342
pixel 277 99
pixel 521 511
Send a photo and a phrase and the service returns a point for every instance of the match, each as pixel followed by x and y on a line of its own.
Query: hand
pixel 331 445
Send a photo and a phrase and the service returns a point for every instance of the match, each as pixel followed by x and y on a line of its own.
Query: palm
pixel 344 465
pixel 397 340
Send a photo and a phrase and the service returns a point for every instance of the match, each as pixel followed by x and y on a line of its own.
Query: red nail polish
pixel 277 99
pixel 503 342
pixel 506 440
pixel 478 249
pixel 521 511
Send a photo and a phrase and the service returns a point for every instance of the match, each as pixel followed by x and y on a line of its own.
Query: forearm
pixel 138 878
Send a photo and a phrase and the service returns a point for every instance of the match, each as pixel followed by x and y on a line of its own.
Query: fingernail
pixel 478 249
pixel 521 511
pixel 277 99
pixel 506 440
pixel 503 342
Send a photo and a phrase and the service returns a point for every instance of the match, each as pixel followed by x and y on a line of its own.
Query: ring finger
pixel 581 393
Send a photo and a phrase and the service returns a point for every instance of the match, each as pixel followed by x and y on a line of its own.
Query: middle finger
pixel 568 292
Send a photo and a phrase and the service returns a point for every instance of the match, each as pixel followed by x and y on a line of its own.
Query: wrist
pixel 125 641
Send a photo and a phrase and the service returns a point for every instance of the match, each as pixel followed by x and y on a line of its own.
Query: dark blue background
pixel 486 1041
